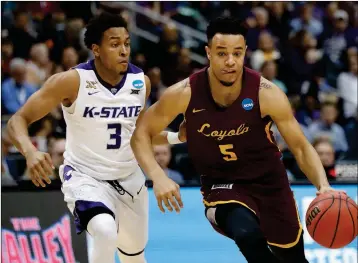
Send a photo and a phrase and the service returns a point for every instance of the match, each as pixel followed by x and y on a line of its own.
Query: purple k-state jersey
pixel 232 144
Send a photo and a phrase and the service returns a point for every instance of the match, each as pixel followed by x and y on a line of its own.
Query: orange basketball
pixel 331 220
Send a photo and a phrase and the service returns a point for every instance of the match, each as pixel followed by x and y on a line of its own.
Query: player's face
pixel 226 54
pixel 114 50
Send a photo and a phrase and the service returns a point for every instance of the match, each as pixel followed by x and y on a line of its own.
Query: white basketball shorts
pixel 126 200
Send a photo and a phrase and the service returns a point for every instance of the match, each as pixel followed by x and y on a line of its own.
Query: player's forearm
pixel 141 143
pixel 17 128
pixel 309 162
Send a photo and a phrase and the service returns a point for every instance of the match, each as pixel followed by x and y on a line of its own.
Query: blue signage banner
pixel 188 237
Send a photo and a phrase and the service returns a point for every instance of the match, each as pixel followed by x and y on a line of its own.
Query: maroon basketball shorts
pixel 276 209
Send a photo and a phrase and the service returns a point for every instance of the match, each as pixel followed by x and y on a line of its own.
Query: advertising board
pixel 37 227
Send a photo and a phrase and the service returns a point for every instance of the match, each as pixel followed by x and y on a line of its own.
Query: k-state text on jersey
pixel 111 112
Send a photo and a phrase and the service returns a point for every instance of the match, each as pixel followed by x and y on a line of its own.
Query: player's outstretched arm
pixel 58 88
pixel 274 103
pixel 173 102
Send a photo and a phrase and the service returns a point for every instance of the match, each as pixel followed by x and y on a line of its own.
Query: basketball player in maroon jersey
pixel 229 109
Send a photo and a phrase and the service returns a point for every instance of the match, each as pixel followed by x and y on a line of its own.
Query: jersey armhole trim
pixel 72 108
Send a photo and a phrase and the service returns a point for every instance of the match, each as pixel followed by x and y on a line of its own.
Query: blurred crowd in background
pixel 308 49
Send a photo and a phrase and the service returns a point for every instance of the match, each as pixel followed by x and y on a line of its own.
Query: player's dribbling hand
pixel 328 189
pixel 167 191
pixel 40 167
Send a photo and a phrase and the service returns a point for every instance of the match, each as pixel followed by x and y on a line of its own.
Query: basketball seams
pixel 349 211
pixel 338 217
pixel 319 219
pixel 352 203
pixel 311 205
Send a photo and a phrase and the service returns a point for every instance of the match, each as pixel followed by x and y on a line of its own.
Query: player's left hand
pixel 328 189
pixel 182 131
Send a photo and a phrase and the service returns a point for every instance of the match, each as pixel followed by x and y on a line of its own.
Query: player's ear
pixel 95 50
pixel 208 53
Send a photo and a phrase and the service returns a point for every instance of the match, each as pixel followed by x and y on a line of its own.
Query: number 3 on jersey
pixel 228 155
pixel 115 135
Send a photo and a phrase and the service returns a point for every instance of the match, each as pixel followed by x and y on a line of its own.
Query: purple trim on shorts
pixel 85 210
pixel 67 175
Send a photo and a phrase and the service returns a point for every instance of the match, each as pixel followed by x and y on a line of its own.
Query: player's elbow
pixel 137 137
pixel 15 120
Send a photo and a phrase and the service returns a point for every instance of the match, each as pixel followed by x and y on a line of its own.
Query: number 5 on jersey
pixel 228 155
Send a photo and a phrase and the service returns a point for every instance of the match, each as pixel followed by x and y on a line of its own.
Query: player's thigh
pixel 133 224
pixel 280 220
pixel 85 196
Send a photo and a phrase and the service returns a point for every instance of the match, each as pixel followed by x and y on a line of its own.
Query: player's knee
pixel 103 227
pixel 249 236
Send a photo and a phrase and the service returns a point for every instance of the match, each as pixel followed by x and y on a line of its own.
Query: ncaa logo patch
pixel 247 104
pixel 138 84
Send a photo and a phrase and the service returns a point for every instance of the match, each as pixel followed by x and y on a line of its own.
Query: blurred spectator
pixel 56 150
pixel 69 59
pixel 20 36
pixel 163 156
pixel 7 50
pixel 184 66
pixel 269 71
pixel 39 68
pixel 347 84
pixel 72 35
pixel 140 61
pixel 306 21
pixel 336 42
pixel 326 153
pixel 351 133
pixel 155 77
pixel 265 52
pixel 328 20
pixel 167 53
pixel 326 126
pixel 16 90
pixel 307 109
pixel 279 20
pixel 301 59
pixel 260 25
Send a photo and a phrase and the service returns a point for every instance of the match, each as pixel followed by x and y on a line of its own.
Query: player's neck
pixel 106 75
pixel 223 95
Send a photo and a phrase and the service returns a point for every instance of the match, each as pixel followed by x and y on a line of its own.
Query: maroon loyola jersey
pixel 232 144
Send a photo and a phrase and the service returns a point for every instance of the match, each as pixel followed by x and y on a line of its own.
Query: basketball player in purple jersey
pixel 229 109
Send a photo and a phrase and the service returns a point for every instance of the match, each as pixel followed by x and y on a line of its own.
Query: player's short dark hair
pixel 225 25
pixel 99 24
